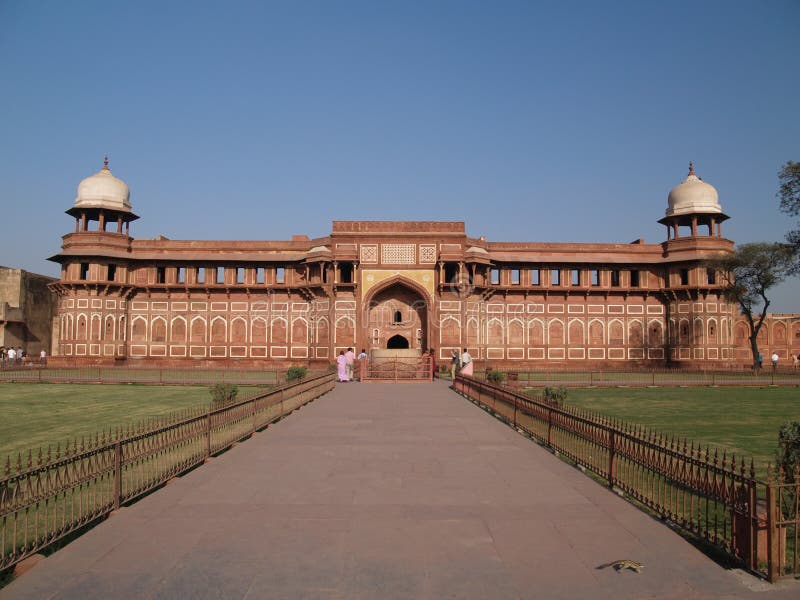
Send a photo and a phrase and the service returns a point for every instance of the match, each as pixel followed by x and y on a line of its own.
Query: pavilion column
pixel 119 224
pixel 694 226
pixel 102 221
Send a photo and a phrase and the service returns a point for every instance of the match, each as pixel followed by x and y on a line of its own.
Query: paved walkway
pixel 383 491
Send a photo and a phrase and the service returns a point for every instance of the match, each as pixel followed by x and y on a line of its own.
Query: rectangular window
pixel 684 276
pixel 239 275
pixel 555 276
pixel 535 277
pixel 450 273
pixel 219 276
pixel 181 275
pixel 346 272
pixel 112 273
pixel 514 276
pixel 201 274
pixel 614 278
pixel 161 274
pixel 495 277
pixel 575 277
pixel 595 277
pixel 84 272
pixel 635 279
pixel 280 275
pixel 711 274
pixel 260 275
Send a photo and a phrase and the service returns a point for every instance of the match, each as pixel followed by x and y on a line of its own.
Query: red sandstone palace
pixel 406 284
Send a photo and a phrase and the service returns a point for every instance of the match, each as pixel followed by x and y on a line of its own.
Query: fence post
pixel 208 433
pixel 773 555
pixel 117 473
pixel 549 427
pixel 611 457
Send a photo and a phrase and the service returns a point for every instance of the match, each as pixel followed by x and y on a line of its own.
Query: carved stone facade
pixel 376 284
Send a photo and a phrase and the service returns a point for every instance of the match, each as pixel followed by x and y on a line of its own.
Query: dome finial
pixel 105 163
pixel 691 168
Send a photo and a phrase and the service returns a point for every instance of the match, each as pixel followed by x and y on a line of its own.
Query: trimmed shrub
pixel 495 376
pixel 555 396
pixel 297 373
pixel 223 393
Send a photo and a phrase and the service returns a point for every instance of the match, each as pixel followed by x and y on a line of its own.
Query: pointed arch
pixel 198 331
pixel 515 332
pixel 158 331
pixel 109 328
pixel 712 331
pixel 238 331
pixel 536 332
pixel 299 331
pixel 96 326
pixel 597 332
pixel 655 333
pixel 635 333
pixel 616 333
pixel 177 334
pixel 698 337
pixel 219 330
pixel 575 335
pixel 139 329
pixel 277 331
pixel 258 331
pixel 494 332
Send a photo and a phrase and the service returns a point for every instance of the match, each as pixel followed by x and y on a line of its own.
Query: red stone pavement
pixel 384 491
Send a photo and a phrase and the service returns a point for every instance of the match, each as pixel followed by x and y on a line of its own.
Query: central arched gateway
pixel 396 316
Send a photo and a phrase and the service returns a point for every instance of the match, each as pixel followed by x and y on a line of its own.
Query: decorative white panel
pixel 427 254
pixel 398 254
pixel 369 253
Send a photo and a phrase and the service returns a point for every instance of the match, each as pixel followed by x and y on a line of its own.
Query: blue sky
pixel 530 121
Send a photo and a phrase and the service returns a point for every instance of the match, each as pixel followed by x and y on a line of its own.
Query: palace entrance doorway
pixel 397 319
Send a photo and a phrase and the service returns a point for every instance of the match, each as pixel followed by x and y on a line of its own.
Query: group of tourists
pixel 345 362
pixel 775 358
pixel 11 356
pixel 461 363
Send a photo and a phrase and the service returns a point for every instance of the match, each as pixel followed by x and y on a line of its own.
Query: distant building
pixel 400 285
pixel 27 311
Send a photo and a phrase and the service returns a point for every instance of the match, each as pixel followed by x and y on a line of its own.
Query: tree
pixel 789 194
pixel 748 274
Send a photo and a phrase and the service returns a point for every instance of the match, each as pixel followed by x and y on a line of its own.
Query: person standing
pixel 20 355
pixel 466 363
pixel 774 360
pixel 12 355
pixel 455 363
pixel 341 367
pixel 350 357
pixel 760 361
pixel 43 357
pixel 362 363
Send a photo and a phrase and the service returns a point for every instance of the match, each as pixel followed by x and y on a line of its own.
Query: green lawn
pixel 34 415
pixel 740 420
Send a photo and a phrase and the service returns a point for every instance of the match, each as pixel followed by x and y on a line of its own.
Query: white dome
pixel 103 190
pixel 693 196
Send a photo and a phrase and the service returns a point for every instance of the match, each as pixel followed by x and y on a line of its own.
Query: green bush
pixel 555 396
pixel 788 455
pixel 297 373
pixel 495 376
pixel 223 393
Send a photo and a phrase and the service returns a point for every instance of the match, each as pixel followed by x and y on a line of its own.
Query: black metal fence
pixel 48 496
pixel 712 496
